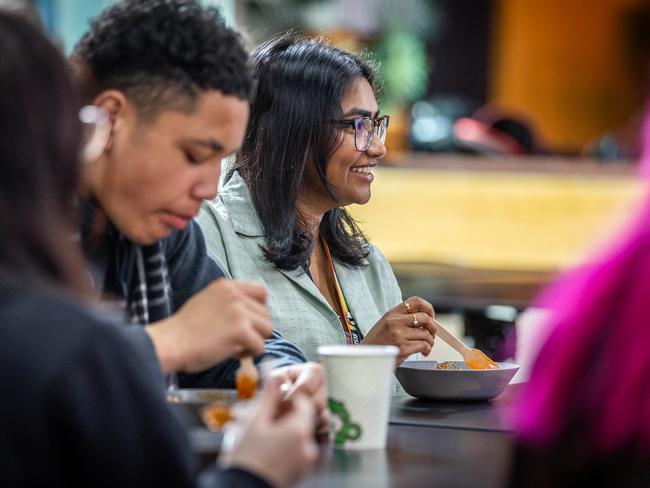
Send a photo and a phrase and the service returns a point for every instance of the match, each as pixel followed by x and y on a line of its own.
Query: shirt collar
pixel 236 197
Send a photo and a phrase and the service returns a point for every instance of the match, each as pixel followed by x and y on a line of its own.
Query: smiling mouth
pixel 362 169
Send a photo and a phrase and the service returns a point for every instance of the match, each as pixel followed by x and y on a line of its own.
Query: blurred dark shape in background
pixel 617 145
pixel 578 69
pixel 460 53
pixel 448 125
pixel 432 123
pixel 624 143
pixel 636 25
pixel 458 78
pixel 491 132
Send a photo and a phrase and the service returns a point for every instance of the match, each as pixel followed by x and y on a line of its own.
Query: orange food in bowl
pixel 216 415
pixel 447 365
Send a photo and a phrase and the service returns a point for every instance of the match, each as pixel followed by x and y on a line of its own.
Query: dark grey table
pixel 430 444
pixel 419 457
pixel 480 416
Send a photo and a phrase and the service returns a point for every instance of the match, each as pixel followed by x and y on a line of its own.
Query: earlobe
pixel 115 104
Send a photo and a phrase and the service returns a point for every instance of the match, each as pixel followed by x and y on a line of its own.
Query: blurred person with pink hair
pixel 584 417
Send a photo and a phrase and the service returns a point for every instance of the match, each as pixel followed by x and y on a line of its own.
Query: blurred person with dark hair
pixel 584 417
pixel 82 405
pixel 314 138
pixel 175 83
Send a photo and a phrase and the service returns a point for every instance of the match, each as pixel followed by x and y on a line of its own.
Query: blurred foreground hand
pixel 273 437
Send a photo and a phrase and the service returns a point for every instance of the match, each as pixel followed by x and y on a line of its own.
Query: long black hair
pixel 301 84
pixel 39 149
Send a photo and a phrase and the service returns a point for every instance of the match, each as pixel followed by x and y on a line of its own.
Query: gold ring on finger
pixel 415 321
pixel 408 307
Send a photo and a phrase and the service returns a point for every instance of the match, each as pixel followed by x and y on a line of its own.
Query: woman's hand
pixel 408 326
pixel 272 438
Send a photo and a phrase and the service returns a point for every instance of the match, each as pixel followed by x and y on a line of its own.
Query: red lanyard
pixel 350 329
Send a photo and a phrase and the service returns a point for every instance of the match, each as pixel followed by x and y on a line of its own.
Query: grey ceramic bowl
pixel 423 380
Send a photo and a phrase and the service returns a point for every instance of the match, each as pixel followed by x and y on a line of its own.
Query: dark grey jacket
pixel 190 269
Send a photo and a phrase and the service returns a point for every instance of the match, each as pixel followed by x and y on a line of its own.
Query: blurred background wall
pixel 67 20
pixel 573 72
pixel 576 66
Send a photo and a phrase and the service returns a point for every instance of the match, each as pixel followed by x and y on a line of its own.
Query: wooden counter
pixel 534 215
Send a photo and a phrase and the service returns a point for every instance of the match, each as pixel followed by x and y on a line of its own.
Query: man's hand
pixel 227 318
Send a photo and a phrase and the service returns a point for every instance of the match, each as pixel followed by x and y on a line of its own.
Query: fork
pixel 474 359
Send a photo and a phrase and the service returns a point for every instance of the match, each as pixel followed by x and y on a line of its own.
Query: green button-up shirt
pixel 234 234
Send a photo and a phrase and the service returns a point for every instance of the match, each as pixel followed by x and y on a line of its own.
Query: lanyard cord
pixel 349 328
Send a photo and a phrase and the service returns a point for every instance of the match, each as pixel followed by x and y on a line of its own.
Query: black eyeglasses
pixel 365 129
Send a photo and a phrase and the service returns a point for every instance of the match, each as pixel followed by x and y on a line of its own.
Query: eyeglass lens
pixel 365 128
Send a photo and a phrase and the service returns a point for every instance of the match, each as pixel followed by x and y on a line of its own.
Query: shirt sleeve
pixel 386 277
pixel 282 352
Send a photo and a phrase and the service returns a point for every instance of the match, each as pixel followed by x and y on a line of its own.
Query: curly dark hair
pixel 162 53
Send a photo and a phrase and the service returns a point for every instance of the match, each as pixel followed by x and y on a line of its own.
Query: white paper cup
pixel 359 382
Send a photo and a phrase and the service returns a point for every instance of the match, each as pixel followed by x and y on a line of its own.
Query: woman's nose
pixel 377 148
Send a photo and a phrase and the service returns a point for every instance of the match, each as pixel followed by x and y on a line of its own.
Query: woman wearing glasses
pixel 313 140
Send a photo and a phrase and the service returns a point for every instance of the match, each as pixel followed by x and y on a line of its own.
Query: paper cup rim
pixel 361 350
